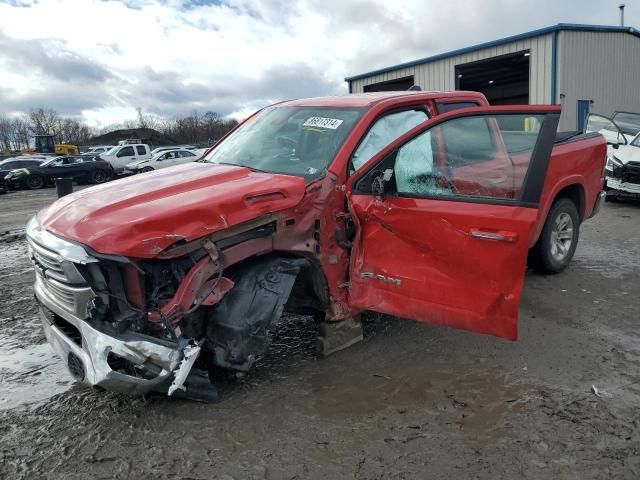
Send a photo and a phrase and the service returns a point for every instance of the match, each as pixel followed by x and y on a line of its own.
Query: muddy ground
pixel 411 401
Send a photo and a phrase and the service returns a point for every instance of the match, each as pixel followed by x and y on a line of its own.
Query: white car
pixel 155 151
pixel 99 149
pixel 122 155
pixel 163 159
pixel 622 170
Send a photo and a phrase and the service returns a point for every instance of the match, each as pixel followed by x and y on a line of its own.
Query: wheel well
pixel 575 193
pixel 310 292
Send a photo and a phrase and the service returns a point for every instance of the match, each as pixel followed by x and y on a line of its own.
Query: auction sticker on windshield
pixel 322 122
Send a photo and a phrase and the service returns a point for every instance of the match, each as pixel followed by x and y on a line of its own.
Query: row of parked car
pixel 97 165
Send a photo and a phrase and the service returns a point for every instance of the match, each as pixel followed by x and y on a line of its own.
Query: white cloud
pixel 235 55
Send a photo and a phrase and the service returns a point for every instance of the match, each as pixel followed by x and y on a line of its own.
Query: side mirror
pixel 379 183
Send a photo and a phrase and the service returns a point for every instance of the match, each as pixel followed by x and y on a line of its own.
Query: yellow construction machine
pixel 44 144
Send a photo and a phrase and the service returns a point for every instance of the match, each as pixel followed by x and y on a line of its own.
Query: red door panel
pixel 451 247
pixel 440 262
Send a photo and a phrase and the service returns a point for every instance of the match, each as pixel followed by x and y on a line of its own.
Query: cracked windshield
pixel 290 140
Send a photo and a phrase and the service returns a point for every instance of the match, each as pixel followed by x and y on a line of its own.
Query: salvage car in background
pixel 163 159
pixel 119 157
pixel 6 166
pixel 100 149
pixel 82 169
pixel 409 204
pixel 628 123
pixel 622 170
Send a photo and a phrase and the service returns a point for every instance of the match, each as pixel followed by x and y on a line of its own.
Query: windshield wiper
pixel 253 169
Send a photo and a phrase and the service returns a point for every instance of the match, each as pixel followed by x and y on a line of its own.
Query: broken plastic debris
pixel 181 373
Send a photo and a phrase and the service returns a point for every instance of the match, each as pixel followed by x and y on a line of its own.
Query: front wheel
pixel 99 176
pixel 146 169
pixel 558 240
pixel 34 182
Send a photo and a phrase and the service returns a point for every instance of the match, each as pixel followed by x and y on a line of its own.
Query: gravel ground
pixel 411 401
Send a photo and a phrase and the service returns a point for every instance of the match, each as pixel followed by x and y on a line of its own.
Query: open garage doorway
pixel 397 85
pixel 503 80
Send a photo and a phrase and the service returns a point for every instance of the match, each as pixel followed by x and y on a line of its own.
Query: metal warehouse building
pixel 583 67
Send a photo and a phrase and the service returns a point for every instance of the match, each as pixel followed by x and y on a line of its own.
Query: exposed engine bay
pixel 166 324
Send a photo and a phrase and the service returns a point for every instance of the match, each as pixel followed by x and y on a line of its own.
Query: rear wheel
pixel 99 176
pixel 558 240
pixel 34 182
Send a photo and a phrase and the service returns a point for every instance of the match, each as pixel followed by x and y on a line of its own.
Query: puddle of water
pixel 29 374
pixel 476 401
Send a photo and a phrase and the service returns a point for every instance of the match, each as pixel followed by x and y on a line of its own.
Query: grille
pixel 47 261
pixel 76 367
pixel 63 293
pixel 68 329
pixel 60 281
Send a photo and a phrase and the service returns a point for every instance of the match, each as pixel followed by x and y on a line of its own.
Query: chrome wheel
pixel 561 237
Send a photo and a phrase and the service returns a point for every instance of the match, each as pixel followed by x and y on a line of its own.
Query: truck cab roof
pixel 365 100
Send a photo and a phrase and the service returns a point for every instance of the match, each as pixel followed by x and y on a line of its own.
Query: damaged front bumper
pixel 96 358
pixel 624 179
pixel 94 353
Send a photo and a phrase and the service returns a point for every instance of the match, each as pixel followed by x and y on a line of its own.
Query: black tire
pixel 559 238
pixel 146 169
pixel 99 176
pixel 34 182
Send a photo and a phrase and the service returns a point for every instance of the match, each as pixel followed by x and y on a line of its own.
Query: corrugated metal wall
pixel 599 66
pixel 440 74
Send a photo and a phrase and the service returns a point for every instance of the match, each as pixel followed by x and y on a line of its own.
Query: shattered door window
pixel 383 132
pixel 414 167
pixel 473 156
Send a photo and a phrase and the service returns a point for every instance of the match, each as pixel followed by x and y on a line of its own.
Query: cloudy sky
pixel 97 60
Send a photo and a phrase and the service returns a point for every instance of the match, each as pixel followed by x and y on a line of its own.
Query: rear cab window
pixel 444 107
pixel 141 150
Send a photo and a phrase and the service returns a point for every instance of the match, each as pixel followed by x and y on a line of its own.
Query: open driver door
pixel 444 217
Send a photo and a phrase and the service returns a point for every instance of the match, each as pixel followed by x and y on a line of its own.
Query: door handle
pixel 495 235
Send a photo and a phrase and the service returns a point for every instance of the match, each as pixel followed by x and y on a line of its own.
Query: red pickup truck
pixel 423 205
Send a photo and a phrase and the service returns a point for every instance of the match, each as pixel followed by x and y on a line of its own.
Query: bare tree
pixel 44 121
pixel 142 121
pixel 204 129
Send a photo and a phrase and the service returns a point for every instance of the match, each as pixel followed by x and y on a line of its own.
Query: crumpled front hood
pixel 627 153
pixel 140 216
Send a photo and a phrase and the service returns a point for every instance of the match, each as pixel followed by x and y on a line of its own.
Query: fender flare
pixel 549 200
